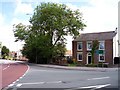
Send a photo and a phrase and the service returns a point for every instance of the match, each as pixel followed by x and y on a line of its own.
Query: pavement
pixel 76 67
pixel 65 67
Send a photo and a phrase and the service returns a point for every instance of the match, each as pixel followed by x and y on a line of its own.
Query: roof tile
pixel 96 36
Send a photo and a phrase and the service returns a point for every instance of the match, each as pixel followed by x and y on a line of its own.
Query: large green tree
pixel 4 51
pixel 45 37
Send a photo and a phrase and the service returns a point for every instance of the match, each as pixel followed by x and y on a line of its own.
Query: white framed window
pixel 89 45
pixel 79 56
pixel 101 57
pixel 79 46
pixel 101 45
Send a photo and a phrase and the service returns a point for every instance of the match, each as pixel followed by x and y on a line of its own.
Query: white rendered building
pixel 119 28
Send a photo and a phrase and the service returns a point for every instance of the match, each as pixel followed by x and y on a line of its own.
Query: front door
pixel 89 59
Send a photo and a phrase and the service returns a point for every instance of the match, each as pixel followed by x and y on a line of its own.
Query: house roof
pixel 96 36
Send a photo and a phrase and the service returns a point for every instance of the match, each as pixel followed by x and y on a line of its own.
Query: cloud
pixel 17 21
pixel 7 38
pixel 1 19
pixel 23 8
pixel 101 16
pixel 71 6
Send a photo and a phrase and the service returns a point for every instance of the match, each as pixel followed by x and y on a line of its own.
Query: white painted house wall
pixel 119 28
pixel 115 45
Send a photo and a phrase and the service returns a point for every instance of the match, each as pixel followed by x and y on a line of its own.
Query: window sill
pixel 80 50
pixel 102 61
pixel 79 60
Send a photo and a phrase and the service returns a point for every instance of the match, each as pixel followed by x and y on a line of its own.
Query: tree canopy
pixel 45 36
pixel 95 46
pixel 4 51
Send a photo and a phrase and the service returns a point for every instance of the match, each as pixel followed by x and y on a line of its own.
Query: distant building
pixel 81 47
pixel 16 55
pixel 68 53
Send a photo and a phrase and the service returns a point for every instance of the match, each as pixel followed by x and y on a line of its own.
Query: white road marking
pixel 18 85
pixel 90 87
pixel 98 78
pixel 6 67
pixel 14 82
pixel 97 86
pixel 101 86
pixel 17 80
pixel 34 83
pixel 55 82
pixel 10 85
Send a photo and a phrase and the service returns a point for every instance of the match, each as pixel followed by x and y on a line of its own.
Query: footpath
pixel 80 68
pixel 76 67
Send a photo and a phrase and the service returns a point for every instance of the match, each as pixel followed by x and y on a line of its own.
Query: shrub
pixel 91 65
pixel 72 65
pixel 102 64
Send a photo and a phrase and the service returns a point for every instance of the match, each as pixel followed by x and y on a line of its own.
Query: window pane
pixel 101 57
pixel 80 56
pixel 101 45
pixel 89 45
pixel 79 46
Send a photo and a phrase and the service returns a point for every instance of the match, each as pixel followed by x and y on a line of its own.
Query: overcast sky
pixel 99 16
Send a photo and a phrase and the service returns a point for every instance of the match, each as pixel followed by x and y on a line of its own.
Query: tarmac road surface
pixel 10 71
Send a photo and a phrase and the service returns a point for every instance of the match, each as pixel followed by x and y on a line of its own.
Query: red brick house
pixel 81 47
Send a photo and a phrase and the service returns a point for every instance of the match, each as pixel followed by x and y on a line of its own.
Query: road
pixel 11 71
pixel 38 78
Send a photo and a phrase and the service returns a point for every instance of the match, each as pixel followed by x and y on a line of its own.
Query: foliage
pixel 91 65
pixel 45 37
pixel 72 65
pixel 4 51
pixel 95 46
pixel 101 64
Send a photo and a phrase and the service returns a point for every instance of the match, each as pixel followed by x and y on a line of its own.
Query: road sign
pixel 99 51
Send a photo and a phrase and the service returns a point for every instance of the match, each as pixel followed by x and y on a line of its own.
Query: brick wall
pixel 109 51
pixel 74 49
